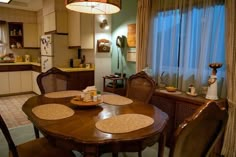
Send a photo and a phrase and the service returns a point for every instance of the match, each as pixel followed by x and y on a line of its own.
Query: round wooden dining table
pixel 78 132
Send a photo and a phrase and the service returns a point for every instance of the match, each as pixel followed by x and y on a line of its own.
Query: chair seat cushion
pixel 41 148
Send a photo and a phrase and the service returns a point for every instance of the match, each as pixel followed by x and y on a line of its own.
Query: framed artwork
pixel 131 56
pixel 103 45
pixel 131 36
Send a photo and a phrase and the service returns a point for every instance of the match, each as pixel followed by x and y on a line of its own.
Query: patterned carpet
pixel 10 109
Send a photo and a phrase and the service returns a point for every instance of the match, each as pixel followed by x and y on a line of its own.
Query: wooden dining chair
pixel 35 148
pixel 198 134
pixel 141 87
pixel 52 80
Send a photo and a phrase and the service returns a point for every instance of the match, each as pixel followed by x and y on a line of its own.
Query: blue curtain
pixel 185 43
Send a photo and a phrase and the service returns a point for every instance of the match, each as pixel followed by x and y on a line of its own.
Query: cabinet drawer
pixel 19 67
pixel 167 106
pixel 183 111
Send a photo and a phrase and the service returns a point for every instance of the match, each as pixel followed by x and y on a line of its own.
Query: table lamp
pixel 212 82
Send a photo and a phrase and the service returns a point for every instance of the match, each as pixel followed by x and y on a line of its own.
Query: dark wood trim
pixel 50 32
pixel 2 22
pixel 74 47
pixel 31 47
pixel 55 32
pixel 36 68
pixel 13 94
pixel 25 67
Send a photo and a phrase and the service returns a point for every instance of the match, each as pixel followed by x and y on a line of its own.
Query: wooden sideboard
pixel 179 107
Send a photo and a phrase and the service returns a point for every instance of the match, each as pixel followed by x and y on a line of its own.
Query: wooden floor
pixel 10 109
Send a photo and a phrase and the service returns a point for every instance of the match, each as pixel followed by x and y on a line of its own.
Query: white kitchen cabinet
pixel 14 82
pixel 61 22
pixel 55 21
pixel 87 31
pixel 54 16
pixel 49 22
pixel 4 83
pixel 40 25
pixel 50 6
pixel 80 30
pixel 73 29
pixel 20 81
pixel 26 81
pixel 34 82
pixel 30 31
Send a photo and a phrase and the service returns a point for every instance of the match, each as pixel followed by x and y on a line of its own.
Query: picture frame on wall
pixel 103 46
pixel 131 35
pixel 131 56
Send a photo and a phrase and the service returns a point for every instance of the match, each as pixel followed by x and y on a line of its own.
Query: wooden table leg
pixel 36 132
pixel 162 143
pixel 91 151
pixel 114 154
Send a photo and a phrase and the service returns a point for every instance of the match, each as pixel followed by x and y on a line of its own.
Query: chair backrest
pixel 52 80
pixel 8 137
pixel 198 134
pixel 140 86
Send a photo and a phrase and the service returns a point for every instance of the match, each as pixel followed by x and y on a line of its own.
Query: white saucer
pixel 188 93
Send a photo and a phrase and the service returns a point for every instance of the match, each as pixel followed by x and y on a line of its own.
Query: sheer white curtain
pixel 229 147
pixel 3 38
pixel 187 37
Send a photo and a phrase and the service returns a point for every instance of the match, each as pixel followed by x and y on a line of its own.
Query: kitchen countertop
pixel 21 63
pixel 38 64
pixel 76 69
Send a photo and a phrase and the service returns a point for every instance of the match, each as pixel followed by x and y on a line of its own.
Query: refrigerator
pixel 55 51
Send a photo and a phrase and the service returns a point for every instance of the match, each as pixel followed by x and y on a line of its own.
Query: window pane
pixel 184 44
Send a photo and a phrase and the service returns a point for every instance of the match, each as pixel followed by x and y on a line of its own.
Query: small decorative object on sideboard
pixel 191 90
pixel 171 89
pixel 212 82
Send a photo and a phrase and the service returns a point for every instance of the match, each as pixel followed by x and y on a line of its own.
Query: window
pixel 185 43
pixel 2 38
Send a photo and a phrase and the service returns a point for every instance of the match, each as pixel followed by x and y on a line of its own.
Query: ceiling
pixel 31 5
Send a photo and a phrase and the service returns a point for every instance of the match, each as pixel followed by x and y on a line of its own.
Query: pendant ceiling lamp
pixel 94 6
pixel 5 1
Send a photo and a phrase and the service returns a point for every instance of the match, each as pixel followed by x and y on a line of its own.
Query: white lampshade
pixel 94 6
pixel 5 1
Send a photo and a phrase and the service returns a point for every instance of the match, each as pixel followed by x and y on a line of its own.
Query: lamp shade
pixel 94 6
pixel 5 1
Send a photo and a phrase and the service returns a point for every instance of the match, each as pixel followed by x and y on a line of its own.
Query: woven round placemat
pixel 116 100
pixel 124 123
pixel 63 94
pixel 52 111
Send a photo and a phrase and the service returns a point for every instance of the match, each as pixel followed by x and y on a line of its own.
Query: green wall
pixel 120 20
